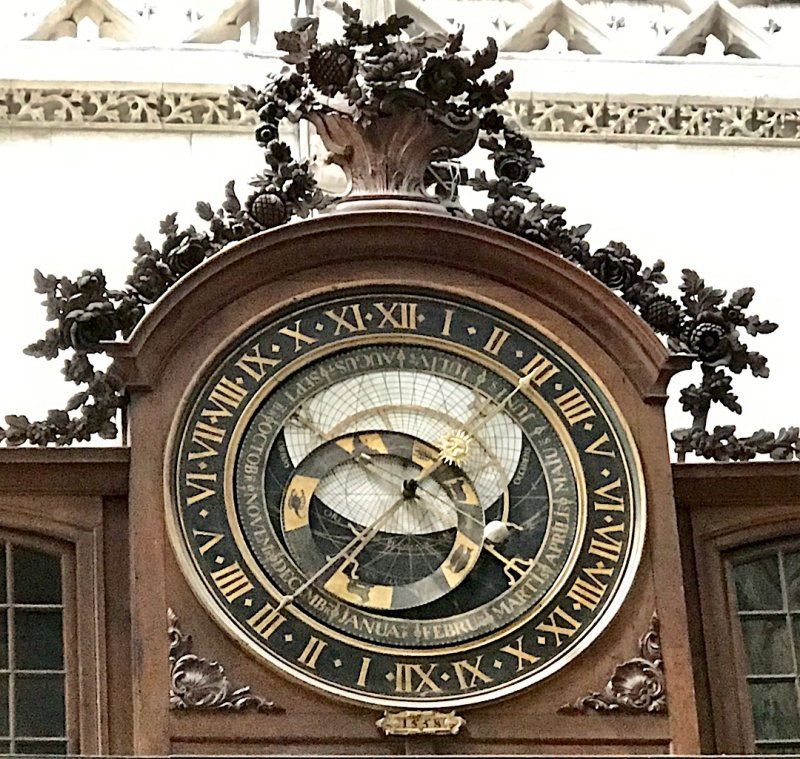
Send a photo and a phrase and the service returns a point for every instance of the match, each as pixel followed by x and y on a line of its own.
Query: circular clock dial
pixel 405 498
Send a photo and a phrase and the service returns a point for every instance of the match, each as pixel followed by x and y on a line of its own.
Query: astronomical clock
pixel 405 498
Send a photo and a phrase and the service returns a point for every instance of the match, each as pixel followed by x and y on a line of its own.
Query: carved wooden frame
pixel 755 504
pixel 52 516
pixel 226 295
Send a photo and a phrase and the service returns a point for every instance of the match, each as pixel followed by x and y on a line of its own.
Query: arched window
pixel 32 660
pixel 767 596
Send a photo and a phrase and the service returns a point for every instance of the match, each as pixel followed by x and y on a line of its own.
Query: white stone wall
pixel 77 199
pixel 691 159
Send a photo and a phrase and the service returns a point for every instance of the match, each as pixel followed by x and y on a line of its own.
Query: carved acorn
pixel 330 68
pixel 268 209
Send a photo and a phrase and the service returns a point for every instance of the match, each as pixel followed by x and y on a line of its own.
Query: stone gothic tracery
pixel 614 28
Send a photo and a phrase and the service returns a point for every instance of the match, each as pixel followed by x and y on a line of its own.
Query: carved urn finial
pixel 386 158
pixel 385 105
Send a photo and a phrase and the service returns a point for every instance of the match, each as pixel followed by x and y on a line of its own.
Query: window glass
pixel 37 577
pixel 32 693
pixel 767 594
pixel 758 584
pixel 41 747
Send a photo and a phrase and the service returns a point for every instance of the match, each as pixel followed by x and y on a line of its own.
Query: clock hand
pixel 364 535
pixel 478 419
pixel 456 442
pixel 387 474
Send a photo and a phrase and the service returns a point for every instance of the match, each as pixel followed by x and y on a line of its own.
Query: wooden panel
pixel 727 508
pixel 59 495
pixel 232 292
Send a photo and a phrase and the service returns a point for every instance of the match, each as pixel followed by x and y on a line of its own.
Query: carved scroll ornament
pixel 196 683
pixel 637 686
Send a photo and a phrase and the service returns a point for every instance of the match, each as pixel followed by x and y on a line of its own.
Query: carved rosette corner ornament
pixel 637 686
pixel 196 683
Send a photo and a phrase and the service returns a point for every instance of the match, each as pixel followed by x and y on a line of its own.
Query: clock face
pixel 405 498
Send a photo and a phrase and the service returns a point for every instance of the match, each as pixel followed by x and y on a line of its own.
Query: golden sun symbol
pixel 454 447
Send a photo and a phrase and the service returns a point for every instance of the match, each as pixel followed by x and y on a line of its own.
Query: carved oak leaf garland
pixel 358 85
pixel 636 687
pixel 196 683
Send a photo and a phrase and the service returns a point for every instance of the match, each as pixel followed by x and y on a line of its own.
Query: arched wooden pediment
pixel 235 288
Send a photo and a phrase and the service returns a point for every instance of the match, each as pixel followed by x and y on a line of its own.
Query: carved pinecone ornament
pixel 331 67
pixel 268 209
pixel 662 313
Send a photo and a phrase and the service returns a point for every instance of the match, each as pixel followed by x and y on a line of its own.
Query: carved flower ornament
pixel 374 85
pixel 197 683
pixel 637 685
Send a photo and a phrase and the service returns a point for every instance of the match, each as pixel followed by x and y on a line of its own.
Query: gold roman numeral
pixel 588 594
pixel 596 448
pixel 539 369
pixel 522 656
pixel 362 673
pixel 496 341
pixel 213 539
pixel 206 437
pixel 611 501
pixel 255 365
pixel 266 621
pixel 559 625
pixel 197 481
pixel 448 321
pixel 464 668
pixel 399 315
pixel 311 652
pixel 300 338
pixel 411 678
pixel 606 546
pixel 232 582
pixel 226 393
pixel 349 318
pixel 574 406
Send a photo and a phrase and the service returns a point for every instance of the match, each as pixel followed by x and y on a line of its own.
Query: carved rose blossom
pixel 443 78
pixel 85 328
pixel 615 266
pixel 188 253
pixel 710 340
pixel 512 167
pixel 150 278
pixel 506 214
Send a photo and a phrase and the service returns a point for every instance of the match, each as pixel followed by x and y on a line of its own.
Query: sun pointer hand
pixel 454 446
